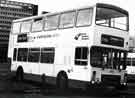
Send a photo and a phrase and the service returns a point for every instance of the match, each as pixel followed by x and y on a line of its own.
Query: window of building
pixel 22 54
pixel 15 54
pixel 47 55
pixel 84 17
pixel 26 26
pixel 37 24
pixel 67 19
pixel 3 1
pixel 81 56
pixel 51 22
pixel 33 55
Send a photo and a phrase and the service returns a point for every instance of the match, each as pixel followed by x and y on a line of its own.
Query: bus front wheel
pixel 62 81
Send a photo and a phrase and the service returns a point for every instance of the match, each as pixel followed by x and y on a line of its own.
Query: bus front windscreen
pixel 101 57
pixel 112 17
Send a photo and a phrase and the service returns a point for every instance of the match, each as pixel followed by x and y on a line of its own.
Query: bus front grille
pixel 111 79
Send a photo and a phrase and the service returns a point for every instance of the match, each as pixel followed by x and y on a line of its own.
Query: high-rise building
pixel 10 10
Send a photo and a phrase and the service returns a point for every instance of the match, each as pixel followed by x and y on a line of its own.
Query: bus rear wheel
pixel 19 74
pixel 62 81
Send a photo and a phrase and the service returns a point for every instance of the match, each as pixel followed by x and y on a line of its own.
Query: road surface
pixel 9 88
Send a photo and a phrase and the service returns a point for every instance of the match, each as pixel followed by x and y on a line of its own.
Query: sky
pixel 59 5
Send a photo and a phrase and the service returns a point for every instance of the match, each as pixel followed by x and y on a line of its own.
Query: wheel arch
pixel 63 73
pixel 20 68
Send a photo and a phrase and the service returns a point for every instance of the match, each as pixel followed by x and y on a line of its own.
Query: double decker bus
pixel 130 66
pixel 78 48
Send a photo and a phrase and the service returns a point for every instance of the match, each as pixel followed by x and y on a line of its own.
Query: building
pixel 10 10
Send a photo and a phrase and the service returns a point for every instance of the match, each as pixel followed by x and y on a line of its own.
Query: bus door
pixel 80 67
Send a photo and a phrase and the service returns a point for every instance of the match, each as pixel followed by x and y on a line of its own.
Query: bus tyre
pixel 19 74
pixel 62 81
pixel 43 77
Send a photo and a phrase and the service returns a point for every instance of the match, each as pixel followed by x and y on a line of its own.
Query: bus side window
pixel 51 22
pixel 47 55
pixel 81 56
pixel 84 17
pixel 15 54
pixel 37 24
pixel 16 27
pixel 67 19
pixel 26 26
pixel 22 54
pixel 33 55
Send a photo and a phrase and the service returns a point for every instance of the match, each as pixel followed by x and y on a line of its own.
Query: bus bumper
pixel 110 81
pixel 130 77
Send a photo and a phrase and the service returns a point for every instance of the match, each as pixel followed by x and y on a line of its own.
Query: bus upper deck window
pixel 37 24
pixel 16 27
pixel 26 26
pixel 51 22
pixel 84 17
pixel 67 19
pixel 111 17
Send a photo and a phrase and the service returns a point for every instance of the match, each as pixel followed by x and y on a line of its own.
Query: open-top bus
pixel 78 47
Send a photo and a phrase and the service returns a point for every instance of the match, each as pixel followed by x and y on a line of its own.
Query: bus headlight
pixel 93 78
pixel 97 80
